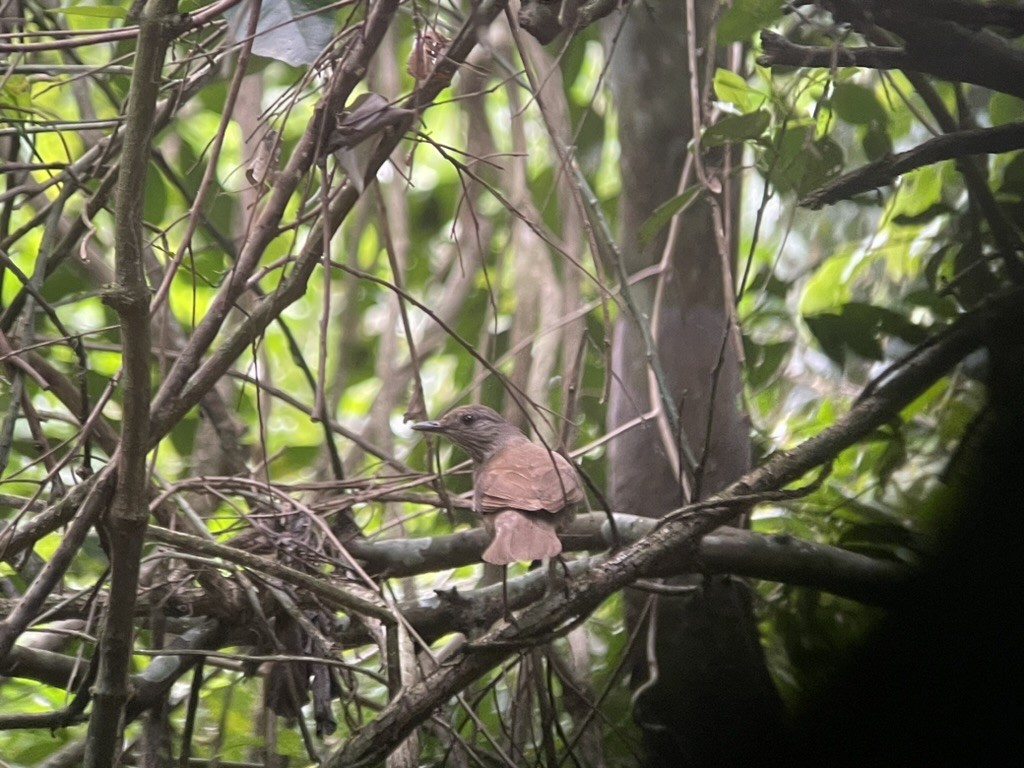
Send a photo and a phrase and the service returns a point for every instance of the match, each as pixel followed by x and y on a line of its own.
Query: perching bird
pixel 523 492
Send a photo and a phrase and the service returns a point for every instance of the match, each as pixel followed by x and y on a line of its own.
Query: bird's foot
pixel 558 576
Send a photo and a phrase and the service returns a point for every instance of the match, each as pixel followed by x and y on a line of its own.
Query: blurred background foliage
pixel 827 299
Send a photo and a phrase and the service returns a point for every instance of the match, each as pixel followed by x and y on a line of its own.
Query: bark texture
pixel 702 691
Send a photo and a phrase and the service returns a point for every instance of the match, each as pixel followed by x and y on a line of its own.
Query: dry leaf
pixel 263 166
pixel 425 53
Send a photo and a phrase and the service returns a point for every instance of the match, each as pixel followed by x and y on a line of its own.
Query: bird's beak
pixel 428 426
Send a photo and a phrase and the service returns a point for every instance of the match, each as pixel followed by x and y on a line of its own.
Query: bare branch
pixel 777 50
pixel 950 146
pixel 786 559
pixel 126 523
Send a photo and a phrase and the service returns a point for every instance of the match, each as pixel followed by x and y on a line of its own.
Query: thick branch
pixel 950 146
pixel 944 49
pixel 47 667
pixel 728 550
pixel 958 54
pixel 126 525
pixel 545 19
pixel 972 14
pixel 777 50
pixel 797 562
pixel 725 551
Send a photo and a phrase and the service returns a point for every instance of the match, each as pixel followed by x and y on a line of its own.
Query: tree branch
pixel 777 50
pixel 47 667
pixel 972 14
pixel 726 551
pixel 545 19
pixel 126 523
pixel 950 146
pixel 944 49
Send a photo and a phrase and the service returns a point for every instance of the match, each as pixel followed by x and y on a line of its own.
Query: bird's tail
pixel 520 537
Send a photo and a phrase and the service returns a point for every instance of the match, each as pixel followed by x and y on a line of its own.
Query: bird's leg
pixel 558 574
pixel 504 597
pixel 566 575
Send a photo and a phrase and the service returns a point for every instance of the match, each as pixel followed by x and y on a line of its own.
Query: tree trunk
pixel 703 695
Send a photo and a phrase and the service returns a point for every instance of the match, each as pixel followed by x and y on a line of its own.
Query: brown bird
pixel 523 492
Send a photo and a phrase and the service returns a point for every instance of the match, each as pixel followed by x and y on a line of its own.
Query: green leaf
pixel 1013 176
pixel 885 321
pixel 731 88
pixel 16 91
pixel 938 269
pixel 296 458
pixel 799 163
pixel 876 142
pixel 1003 108
pixel 207 266
pixel 746 18
pixel 663 214
pixel 183 436
pixel 893 457
pixel 763 360
pixel 829 287
pixel 571 65
pixel 733 129
pixel 885 540
pixel 919 219
pixel 858 105
pixel 858 328
pixel 920 190
pixel 837 335
pixel 825 161
pixel 95 11
pixel 155 201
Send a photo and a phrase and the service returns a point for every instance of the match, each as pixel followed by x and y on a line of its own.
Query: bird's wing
pixel 528 477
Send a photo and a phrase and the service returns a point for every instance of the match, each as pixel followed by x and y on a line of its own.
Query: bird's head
pixel 477 429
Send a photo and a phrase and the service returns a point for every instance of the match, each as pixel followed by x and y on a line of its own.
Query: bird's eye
pixel 467 418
